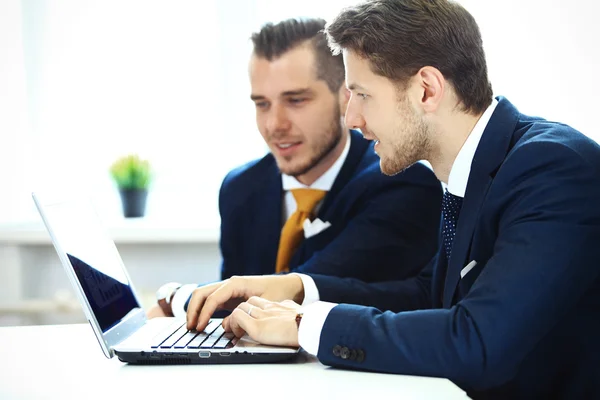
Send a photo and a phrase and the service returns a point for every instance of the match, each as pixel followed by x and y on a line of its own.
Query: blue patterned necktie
pixel 450 210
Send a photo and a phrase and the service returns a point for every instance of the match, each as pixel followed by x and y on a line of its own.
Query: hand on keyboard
pixel 231 292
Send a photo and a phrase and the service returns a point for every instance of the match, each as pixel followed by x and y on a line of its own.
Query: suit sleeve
pixel 409 294
pixel 231 263
pixel 393 231
pixel 545 259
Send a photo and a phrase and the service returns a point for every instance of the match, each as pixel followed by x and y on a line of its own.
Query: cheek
pixel 307 119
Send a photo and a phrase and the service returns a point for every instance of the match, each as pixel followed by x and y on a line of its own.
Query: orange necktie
pixel 293 231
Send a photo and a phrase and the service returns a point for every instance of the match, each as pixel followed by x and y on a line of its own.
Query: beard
pixel 410 141
pixel 323 145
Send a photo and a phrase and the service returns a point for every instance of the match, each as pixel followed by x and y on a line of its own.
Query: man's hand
pixel 231 292
pixel 155 311
pixel 265 321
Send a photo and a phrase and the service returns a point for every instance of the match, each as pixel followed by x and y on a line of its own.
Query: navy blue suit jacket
pixel 525 322
pixel 382 227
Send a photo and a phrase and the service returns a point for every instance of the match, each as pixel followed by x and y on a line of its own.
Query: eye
pixel 297 100
pixel 261 104
pixel 362 95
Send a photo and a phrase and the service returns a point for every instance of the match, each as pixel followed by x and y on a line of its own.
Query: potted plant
pixel 132 176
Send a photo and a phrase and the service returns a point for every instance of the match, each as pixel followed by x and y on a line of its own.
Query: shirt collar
pixel 461 168
pixel 325 181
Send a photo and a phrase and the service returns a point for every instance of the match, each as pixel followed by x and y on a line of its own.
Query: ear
pixel 344 98
pixel 429 88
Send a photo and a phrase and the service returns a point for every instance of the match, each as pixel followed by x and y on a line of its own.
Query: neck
pixel 452 130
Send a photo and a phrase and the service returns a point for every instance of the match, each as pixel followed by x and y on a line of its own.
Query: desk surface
pixel 65 361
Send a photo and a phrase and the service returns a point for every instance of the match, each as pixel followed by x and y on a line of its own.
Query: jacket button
pixel 360 356
pixel 336 350
pixel 353 355
pixel 345 353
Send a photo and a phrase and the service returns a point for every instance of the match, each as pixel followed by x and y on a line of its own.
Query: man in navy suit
pixel 509 308
pixel 368 226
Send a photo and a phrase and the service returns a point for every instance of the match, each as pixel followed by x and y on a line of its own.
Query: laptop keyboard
pixel 179 337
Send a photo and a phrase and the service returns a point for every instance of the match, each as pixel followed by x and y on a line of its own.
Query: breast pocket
pixel 321 239
pixel 469 275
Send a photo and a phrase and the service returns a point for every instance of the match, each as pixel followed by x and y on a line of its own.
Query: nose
pixel 353 117
pixel 277 120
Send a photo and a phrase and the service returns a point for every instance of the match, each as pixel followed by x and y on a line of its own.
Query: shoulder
pixel 551 169
pixel 249 175
pixel 539 143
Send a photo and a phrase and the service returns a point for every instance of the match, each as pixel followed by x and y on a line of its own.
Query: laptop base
pixel 202 357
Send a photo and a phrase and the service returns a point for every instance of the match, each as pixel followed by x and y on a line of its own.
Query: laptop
pixel 111 304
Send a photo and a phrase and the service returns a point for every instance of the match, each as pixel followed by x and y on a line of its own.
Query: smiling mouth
pixel 287 148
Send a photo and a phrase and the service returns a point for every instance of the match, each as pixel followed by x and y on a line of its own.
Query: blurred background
pixel 83 82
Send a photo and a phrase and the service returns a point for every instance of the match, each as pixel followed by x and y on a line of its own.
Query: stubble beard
pixel 319 150
pixel 411 142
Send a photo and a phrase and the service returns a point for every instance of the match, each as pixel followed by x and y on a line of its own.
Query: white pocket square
pixel 466 269
pixel 314 228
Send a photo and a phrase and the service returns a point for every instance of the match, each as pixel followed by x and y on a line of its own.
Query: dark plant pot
pixel 134 202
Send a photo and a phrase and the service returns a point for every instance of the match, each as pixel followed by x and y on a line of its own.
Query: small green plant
pixel 131 172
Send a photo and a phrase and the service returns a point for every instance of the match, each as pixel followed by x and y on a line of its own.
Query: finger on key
pixel 196 303
pixel 241 322
pixel 212 303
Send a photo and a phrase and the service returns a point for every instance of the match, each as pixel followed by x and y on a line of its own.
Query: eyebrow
pixel 295 92
pixel 355 86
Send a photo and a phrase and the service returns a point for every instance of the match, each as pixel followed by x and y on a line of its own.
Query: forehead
pixel 360 76
pixel 293 69
pixel 357 68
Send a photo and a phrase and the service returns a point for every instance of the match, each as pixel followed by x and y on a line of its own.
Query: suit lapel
pixel 490 154
pixel 269 216
pixel 437 281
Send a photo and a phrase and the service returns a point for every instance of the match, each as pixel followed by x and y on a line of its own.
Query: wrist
pixel 299 315
pixel 164 297
pixel 296 288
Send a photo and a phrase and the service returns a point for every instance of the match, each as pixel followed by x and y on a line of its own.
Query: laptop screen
pixel 94 259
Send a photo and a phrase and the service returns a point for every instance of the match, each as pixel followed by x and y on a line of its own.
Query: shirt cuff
pixel 180 298
pixel 313 319
pixel 311 293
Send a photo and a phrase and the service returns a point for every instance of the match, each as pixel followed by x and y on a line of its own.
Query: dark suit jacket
pixel 382 227
pixel 525 322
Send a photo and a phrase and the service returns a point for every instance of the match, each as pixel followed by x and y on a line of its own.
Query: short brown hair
pixel 273 40
pixel 399 37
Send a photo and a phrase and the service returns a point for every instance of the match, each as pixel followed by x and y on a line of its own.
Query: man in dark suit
pixel 365 225
pixel 509 308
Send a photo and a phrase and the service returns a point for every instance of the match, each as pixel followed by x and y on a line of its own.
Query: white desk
pixel 65 362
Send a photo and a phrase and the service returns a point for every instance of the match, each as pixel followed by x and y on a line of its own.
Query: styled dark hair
pixel 399 37
pixel 273 40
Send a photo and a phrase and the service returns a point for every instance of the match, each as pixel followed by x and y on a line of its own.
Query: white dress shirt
pixel 324 182
pixel 461 168
pixel 315 314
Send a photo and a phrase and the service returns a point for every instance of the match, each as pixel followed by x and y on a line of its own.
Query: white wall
pixel 544 56
pixel 82 81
